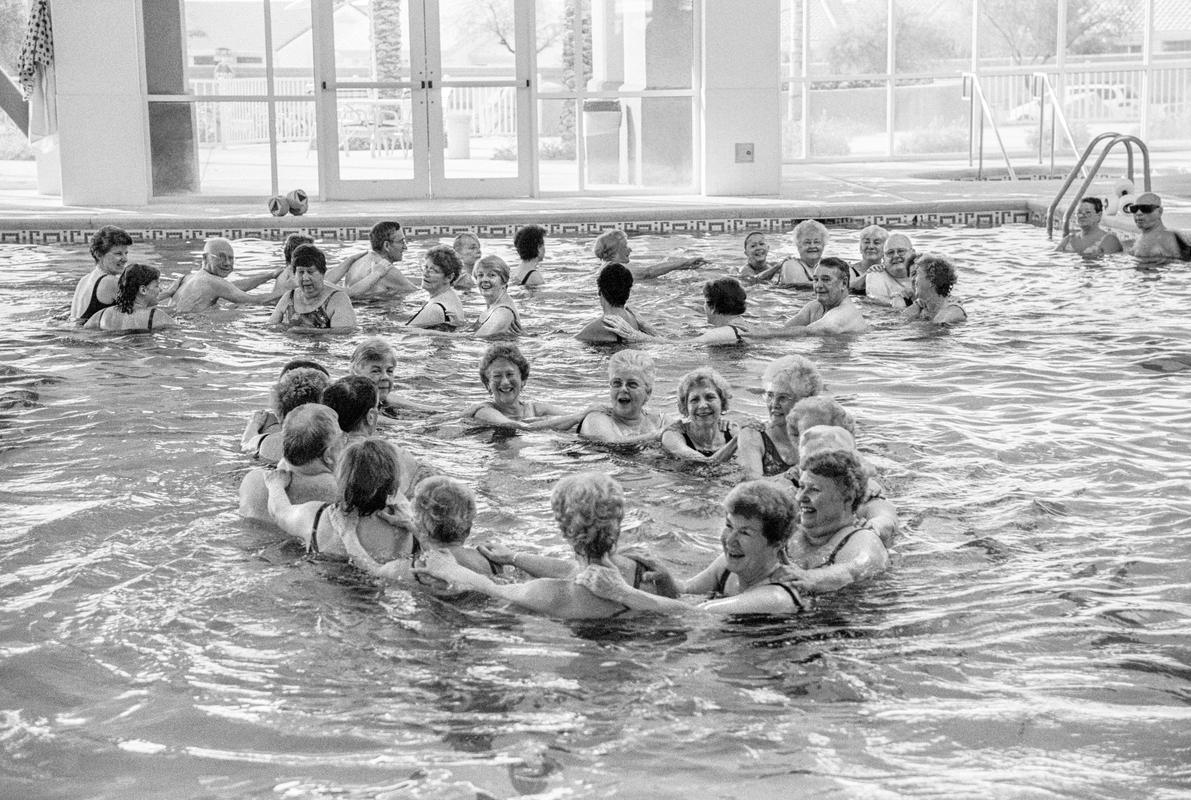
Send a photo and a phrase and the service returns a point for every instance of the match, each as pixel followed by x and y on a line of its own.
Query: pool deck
pixel 819 190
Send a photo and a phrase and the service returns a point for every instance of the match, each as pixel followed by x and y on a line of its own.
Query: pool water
pixel 1031 638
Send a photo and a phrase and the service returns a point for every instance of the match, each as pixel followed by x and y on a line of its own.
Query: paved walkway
pixel 821 190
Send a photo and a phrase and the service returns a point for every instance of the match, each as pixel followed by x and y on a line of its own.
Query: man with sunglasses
pixel 1156 242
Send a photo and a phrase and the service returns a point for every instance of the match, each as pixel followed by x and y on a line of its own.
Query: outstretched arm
pixel 663 267
pixel 530 563
pixel 247 284
pixel 336 273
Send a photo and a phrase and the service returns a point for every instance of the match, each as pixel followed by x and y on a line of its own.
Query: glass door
pixel 371 87
pixel 480 56
pixel 418 98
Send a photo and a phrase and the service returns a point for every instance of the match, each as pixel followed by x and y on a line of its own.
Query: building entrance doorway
pixel 402 110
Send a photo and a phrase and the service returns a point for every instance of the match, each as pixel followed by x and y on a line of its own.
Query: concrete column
pixel 741 96
pixel 102 125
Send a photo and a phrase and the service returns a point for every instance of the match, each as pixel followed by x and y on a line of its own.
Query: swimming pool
pixel 1030 640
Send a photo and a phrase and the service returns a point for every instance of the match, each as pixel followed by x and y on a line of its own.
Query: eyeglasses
pixel 1145 209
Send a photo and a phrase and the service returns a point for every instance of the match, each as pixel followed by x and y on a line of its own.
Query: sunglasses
pixel 1144 209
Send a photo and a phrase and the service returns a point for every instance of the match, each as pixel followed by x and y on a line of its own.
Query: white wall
pixel 741 85
pixel 101 103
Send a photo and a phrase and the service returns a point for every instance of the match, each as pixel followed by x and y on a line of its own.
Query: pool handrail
pixel 1042 89
pixel 1114 138
pixel 972 90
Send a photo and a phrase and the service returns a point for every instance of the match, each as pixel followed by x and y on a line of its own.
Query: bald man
pixel 203 288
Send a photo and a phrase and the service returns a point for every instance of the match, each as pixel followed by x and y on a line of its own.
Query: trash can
pixel 458 134
pixel 601 126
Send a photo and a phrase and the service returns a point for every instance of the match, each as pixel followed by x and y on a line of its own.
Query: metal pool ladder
pixel 1113 138
pixel 977 114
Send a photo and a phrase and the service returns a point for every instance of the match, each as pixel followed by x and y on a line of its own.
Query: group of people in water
pixel 309 295
pixel 808 518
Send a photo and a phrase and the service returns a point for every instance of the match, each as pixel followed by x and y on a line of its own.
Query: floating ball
pixel 298 202
pixel 278 206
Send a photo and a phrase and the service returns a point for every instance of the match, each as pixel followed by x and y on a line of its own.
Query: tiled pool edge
pixel 654 220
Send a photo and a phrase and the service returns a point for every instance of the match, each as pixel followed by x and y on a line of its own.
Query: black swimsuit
pixel 96 305
pixel 725 428
pixel 722 583
pixel 527 277
pixel 772 462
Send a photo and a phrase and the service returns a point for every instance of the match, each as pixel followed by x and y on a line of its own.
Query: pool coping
pixel 710 217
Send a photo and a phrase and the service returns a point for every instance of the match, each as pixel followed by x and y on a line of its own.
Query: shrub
pixel 935 138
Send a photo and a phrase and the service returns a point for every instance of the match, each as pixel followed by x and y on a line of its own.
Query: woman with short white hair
pixel 630 383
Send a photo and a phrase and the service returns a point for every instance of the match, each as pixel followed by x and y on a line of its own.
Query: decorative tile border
pixel 727 225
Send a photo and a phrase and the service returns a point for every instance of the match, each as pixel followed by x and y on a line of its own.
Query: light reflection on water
pixel 1031 637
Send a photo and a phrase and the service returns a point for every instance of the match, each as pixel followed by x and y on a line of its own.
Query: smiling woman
pixel 630 383
pixel 504 371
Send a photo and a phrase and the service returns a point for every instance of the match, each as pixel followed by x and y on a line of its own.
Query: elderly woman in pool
pixel 934 278
pixel 501 316
pixel 872 255
pixel 830 550
pixel 612 247
pixel 136 303
pixel 874 510
pixel 752 574
pixel 313 306
pixel 702 435
pixel 810 237
pixel 630 383
pixel 1091 239
pixel 504 371
pixel 443 311
pixel 768 450
pixel 588 508
pixel 369 475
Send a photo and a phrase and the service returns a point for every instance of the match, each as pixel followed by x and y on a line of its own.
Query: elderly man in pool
pixel 311 442
pixel 202 289
pixel 831 313
pixel 630 383
pixel 1156 242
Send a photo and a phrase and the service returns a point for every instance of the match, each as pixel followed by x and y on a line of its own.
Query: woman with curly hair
pixel 136 309
pixel 934 278
pixel 588 508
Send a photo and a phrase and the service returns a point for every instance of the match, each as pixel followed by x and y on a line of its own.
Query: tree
pixel 386 43
pixel 13 19
pixel 1028 28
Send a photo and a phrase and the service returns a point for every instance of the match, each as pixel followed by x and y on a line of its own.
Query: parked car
pixel 1087 101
